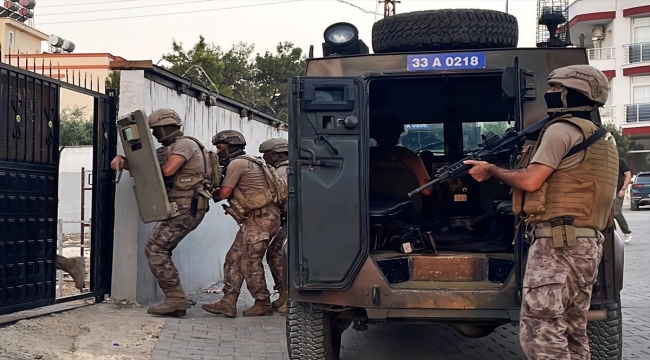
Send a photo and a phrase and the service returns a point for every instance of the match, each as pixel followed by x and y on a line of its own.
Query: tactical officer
pixel 276 153
pixel 563 190
pixel 184 166
pixel 250 195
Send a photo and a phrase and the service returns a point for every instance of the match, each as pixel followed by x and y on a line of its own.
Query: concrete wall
pixel 199 257
pixel 72 160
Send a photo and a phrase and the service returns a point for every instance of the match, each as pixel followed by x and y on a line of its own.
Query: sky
pixel 144 29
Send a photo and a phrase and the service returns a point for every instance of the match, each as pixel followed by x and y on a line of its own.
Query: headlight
pixel 341 34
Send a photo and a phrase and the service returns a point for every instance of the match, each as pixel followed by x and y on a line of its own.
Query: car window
pixel 642 179
pixel 420 137
pixel 472 132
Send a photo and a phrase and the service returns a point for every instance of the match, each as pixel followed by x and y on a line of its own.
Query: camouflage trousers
pixel 556 296
pixel 163 240
pixel 274 255
pixel 244 259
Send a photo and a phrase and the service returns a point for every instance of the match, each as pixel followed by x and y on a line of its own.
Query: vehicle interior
pixel 462 231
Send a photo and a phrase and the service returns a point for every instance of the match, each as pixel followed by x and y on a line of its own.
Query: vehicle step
pixel 445 267
pixel 446 285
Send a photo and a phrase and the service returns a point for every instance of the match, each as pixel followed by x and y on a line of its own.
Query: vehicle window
pixel 472 132
pixel 420 137
pixel 642 179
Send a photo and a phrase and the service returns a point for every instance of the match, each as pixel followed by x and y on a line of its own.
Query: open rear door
pixel 518 85
pixel 327 181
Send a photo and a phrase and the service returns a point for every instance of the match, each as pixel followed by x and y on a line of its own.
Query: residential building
pixel 21 46
pixel 616 34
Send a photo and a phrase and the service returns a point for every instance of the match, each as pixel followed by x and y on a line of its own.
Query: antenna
pixel 389 7
pixel 552 23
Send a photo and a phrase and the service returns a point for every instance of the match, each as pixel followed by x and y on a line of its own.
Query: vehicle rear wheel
pixel 312 334
pixel 606 337
pixel 449 29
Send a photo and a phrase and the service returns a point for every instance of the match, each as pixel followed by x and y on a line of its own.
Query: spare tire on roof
pixel 449 29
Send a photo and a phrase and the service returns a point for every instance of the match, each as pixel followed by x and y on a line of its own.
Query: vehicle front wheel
pixel 634 207
pixel 312 334
pixel 606 337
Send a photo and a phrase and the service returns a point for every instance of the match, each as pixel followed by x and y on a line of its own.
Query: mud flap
pixel 144 168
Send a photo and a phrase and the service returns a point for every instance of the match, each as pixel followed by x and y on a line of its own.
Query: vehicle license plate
pixel 454 61
pixel 460 197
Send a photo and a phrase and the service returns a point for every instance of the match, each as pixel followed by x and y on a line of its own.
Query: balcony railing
pixel 637 113
pixel 601 53
pixel 607 112
pixel 638 52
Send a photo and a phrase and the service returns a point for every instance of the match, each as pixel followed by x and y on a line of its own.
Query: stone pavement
pixel 201 335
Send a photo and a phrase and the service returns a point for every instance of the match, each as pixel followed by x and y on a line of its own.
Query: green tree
pixel 202 63
pixel 623 142
pixel 238 72
pixel 271 73
pixel 74 128
pixel 113 80
pixel 498 128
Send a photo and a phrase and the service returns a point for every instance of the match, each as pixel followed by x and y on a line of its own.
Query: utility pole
pixel 389 7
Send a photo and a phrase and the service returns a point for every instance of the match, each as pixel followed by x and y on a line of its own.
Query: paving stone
pixel 204 336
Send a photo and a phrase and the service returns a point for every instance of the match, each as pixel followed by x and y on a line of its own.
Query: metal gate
pixel 29 168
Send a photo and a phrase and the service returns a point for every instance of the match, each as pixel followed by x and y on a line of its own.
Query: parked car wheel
pixel 311 333
pixel 606 337
pixel 449 29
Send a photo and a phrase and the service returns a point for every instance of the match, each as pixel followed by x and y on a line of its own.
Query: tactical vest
pixel 281 171
pixel 187 183
pixel 240 205
pixel 585 192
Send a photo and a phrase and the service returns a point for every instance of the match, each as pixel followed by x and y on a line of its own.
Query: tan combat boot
pixel 280 305
pixel 227 306
pixel 76 267
pixel 261 308
pixel 175 303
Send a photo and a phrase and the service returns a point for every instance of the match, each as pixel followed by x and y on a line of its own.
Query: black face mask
pixel 553 100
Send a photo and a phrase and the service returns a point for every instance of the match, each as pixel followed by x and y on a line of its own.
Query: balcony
pixel 602 58
pixel 636 113
pixel 601 53
pixel 636 53
pixel 607 113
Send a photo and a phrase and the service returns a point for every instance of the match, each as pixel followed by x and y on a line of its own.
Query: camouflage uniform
pixel 557 297
pixel 163 240
pixel 276 152
pixel 192 180
pixel 259 219
pixel 561 268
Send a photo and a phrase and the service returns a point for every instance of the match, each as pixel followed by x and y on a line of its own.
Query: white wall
pixel 199 257
pixel 72 159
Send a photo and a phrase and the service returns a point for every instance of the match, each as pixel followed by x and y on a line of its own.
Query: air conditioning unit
pixel 597 33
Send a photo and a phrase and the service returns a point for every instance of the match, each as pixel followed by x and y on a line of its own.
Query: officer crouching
pixel 276 153
pixel 250 188
pixel 187 173
pixel 563 189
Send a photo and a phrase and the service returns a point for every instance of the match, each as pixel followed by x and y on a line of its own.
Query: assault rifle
pixel 491 144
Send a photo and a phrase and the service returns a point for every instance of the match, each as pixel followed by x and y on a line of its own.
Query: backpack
pixel 212 177
pixel 277 185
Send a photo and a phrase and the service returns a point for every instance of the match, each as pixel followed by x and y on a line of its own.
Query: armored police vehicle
pixel 360 250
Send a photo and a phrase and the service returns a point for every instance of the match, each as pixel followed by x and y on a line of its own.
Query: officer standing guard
pixel 251 189
pixel 188 176
pixel 563 190
pixel 276 153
